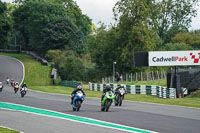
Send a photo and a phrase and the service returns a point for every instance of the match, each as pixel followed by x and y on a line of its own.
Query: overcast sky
pixel 101 10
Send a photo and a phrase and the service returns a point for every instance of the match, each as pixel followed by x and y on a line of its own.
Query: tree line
pixel 59 31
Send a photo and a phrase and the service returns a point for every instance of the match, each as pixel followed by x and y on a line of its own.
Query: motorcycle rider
pixel 24 85
pixel 106 89
pixel 121 86
pixel 79 88
pixel 12 82
pixel 17 84
pixel 7 80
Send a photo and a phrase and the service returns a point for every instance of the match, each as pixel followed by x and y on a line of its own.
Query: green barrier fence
pixel 72 84
pixel 154 90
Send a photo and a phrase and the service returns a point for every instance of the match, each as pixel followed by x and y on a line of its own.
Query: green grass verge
pixel 5 130
pixel 188 102
pixel 63 90
pixel 35 73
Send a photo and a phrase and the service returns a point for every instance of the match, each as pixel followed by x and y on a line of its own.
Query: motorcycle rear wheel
pixel 120 101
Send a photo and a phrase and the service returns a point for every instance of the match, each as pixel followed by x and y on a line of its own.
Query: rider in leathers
pixel 108 88
pixel 79 88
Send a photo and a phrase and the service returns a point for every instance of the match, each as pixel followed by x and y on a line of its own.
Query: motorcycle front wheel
pixel 78 105
pixel 108 103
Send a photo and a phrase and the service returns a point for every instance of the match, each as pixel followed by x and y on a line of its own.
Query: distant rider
pixel 17 84
pixel 121 86
pixel 7 80
pixel 108 88
pixel 24 85
pixel 79 88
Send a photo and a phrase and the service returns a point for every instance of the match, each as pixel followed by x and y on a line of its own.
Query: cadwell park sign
pixel 173 58
pixel 167 58
pixel 181 79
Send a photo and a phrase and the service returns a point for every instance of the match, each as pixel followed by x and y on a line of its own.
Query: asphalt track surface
pixel 154 117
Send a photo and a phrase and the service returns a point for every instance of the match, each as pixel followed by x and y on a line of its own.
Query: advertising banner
pixel 174 58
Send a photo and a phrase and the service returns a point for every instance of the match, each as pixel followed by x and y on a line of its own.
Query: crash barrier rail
pixel 72 84
pixel 153 90
pixel 43 61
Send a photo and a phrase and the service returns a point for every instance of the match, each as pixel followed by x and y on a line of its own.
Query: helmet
pixel 107 86
pixel 121 86
pixel 79 87
pixel 17 82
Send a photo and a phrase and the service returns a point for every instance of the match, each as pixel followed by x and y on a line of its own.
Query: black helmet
pixel 107 86
pixel 121 86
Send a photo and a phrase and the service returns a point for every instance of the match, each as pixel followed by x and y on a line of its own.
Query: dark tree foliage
pixel 62 33
pixel 35 17
pixel 5 25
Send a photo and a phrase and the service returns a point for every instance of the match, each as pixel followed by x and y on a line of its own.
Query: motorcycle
pixel 23 91
pixel 107 101
pixel 1 86
pixel 119 97
pixel 12 83
pixel 8 81
pixel 16 88
pixel 77 101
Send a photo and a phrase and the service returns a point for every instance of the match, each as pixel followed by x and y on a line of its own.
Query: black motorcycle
pixel 119 96
pixel 16 88
pixel 23 91
pixel 1 86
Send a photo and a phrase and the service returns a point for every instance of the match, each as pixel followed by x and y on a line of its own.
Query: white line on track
pixel 10 128
pixel 79 117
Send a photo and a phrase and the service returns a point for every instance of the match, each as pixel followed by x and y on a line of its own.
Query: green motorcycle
pixel 107 101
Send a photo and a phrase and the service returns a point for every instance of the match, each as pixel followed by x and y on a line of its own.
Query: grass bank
pixel 5 130
pixel 35 73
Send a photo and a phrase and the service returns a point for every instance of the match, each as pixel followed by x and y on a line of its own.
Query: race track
pixel 153 117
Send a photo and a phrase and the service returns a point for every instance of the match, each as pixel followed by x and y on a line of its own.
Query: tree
pixel 71 66
pixel 188 38
pixel 83 22
pixel 33 17
pixel 174 16
pixel 5 24
pixel 136 33
pixel 62 33
pixel 166 17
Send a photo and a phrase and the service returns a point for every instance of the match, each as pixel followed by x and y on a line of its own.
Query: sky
pixel 101 10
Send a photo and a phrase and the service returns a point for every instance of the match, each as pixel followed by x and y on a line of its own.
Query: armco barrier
pixel 43 61
pixel 72 84
pixel 154 90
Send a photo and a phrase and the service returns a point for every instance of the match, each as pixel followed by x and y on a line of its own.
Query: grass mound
pixel 5 130
pixel 195 94
pixel 35 73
